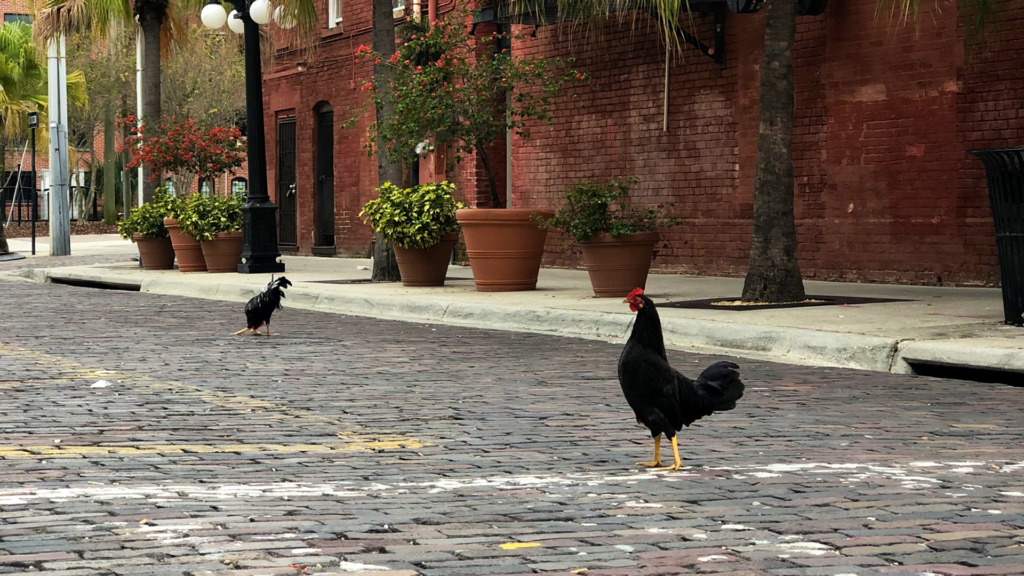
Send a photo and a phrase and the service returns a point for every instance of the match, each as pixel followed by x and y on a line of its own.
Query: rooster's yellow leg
pixel 657 454
pixel 675 454
pixel 240 332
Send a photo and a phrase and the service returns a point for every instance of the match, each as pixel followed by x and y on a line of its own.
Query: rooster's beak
pixel 626 301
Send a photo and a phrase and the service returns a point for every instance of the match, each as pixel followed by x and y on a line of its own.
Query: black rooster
pixel 261 307
pixel 663 399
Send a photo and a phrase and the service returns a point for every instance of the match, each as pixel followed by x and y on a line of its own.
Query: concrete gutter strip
pixel 795 345
pixel 983 353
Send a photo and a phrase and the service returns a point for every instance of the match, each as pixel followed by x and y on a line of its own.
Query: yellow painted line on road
pixel 161 449
pixel 35 382
pixel 518 545
pixel 356 435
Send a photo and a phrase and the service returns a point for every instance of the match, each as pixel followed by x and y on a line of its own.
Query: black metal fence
pixel 16 197
pixel 1005 172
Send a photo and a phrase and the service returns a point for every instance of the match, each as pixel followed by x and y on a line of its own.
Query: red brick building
pixel 885 187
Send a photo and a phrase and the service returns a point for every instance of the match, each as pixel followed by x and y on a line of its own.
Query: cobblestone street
pixel 138 438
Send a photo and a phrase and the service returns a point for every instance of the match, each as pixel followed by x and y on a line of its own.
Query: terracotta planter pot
pixel 155 253
pixel 426 267
pixel 223 253
pixel 504 247
pixel 619 265
pixel 186 248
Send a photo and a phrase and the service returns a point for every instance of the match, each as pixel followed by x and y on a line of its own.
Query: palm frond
pixel 588 15
pixel 62 17
pixel 902 12
pixel 306 32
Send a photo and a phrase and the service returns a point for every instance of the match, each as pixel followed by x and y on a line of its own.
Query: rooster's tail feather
pixel 720 386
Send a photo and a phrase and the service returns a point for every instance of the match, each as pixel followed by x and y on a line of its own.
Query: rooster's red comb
pixel 634 293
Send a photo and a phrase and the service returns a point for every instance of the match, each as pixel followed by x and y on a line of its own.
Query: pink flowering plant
pixel 458 91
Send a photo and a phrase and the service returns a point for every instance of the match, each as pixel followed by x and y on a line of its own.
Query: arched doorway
pixel 324 185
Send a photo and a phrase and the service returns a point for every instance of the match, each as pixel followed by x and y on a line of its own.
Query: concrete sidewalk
pixel 959 327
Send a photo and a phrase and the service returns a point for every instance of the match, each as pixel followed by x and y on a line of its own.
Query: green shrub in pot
pixel 415 218
pixel 147 220
pixel 592 209
pixel 204 217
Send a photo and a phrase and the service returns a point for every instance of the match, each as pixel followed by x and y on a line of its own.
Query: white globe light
pixel 284 20
pixel 260 11
pixel 213 16
pixel 235 23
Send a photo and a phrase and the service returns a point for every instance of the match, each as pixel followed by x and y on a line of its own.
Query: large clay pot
pixel 617 266
pixel 186 248
pixel 223 253
pixel 426 267
pixel 504 246
pixel 155 253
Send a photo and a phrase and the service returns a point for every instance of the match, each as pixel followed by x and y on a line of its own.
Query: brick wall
pixel 885 189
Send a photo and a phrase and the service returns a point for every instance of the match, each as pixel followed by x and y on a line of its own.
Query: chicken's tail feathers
pixel 278 285
pixel 720 386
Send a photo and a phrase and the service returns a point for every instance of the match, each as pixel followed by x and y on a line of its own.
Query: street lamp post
pixel 33 123
pixel 259 215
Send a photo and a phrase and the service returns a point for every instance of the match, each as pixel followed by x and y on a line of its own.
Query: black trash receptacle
pixel 1005 172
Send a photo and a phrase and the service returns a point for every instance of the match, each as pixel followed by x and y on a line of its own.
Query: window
pixel 206 187
pixel 169 186
pixel 239 186
pixel 398 6
pixel 8 18
pixel 333 13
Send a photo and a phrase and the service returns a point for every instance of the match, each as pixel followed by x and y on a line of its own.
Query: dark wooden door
pixel 288 217
pixel 325 178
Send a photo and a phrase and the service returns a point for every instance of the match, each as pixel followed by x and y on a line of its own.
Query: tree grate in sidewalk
pixel 710 303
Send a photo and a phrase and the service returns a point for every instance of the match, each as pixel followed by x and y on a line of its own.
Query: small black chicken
pixel 663 399
pixel 261 307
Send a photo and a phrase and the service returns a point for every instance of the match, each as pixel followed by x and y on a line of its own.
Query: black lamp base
pixel 259 239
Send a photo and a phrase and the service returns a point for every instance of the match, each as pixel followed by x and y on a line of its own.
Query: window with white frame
pixel 398 6
pixel 333 13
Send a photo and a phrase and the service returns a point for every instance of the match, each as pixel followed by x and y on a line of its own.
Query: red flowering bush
pixel 458 91
pixel 183 146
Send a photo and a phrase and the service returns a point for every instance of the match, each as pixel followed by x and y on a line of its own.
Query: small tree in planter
pixel 420 223
pixel 617 238
pixel 462 94
pixel 145 227
pixel 216 223
pixel 185 149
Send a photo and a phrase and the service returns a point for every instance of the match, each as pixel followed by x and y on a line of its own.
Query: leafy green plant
pixel 413 218
pixel 592 209
pixel 460 92
pixel 204 217
pixel 148 219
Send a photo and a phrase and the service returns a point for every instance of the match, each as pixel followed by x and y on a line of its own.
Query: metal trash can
pixel 1005 172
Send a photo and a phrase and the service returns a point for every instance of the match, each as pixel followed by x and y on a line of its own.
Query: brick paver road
pixel 349 445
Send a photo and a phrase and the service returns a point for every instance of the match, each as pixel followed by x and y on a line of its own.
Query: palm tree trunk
pixel 126 181
pixel 150 24
pixel 109 164
pixel 385 267
pixel 773 274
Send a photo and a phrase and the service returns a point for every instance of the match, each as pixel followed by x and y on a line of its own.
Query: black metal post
pixel 259 215
pixel 33 121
